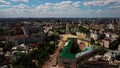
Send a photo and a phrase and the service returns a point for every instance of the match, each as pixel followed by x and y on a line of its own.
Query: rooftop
pixel 66 50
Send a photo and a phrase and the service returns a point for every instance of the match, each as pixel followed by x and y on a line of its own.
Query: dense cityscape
pixel 59 42
pixel 59 33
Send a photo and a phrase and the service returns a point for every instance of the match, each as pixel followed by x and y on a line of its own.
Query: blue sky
pixel 59 8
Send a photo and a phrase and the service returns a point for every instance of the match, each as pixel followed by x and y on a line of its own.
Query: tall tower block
pixel 113 22
pixel 67 28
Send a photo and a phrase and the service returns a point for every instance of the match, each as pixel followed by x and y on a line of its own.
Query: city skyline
pixel 59 8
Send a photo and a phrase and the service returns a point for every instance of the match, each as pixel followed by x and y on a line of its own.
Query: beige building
pixel 105 43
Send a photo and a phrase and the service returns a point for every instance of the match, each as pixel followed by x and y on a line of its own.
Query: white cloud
pixel 4 6
pixel 64 5
pixel 109 12
pixel 76 4
pixel 20 0
pixel 101 11
pixel 21 10
pixel 93 3
pixel 21 6
pixel 115 6
pixel 3 2
pixel 101 2
pixel 61 9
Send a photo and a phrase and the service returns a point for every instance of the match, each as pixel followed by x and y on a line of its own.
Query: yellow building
pixel 83 44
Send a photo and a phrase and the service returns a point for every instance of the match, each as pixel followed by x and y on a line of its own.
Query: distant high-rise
pixel 113 22
pixel 18 31
pixel 24 31
pixel 67 28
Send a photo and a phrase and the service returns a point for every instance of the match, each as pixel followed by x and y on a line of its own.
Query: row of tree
pixel 114 45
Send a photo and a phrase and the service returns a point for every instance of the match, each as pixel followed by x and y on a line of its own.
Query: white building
pixel 110 26
pixel 107 35
pixel 108 55
pixel 95 36
pixel 111 54
pixel 119 47
pixel 82 35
